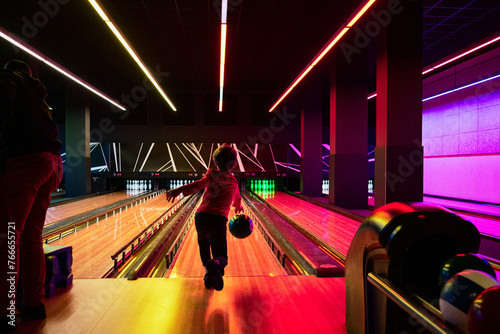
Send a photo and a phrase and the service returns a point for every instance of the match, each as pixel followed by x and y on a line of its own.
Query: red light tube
pixel 333 40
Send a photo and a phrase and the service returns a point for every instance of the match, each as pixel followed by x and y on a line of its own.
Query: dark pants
pixel 26 183
pixel 212 242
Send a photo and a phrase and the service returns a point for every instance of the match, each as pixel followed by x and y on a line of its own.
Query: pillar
pixel 398 151
pixel 349 132
pixel 77 161
pixel 311 164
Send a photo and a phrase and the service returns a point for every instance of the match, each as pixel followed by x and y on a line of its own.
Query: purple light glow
pixel 462 87
pixel 461 139
pixel 473 177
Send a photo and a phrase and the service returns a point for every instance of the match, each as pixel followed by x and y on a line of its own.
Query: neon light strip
pixel 119 35
pixel 287 166
pixel 296 150
pixel 147 156
pixel 223 34
pixel 460 88
pixel 44 59
pixel 463 54
pixel 333 40
pixel 450 91
pixel 495 39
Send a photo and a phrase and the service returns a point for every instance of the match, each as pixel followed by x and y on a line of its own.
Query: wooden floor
pixel 258 297
pixel 335 229
pixel 64 211
pixel 246 257
pixel 280 304
pixel 94 245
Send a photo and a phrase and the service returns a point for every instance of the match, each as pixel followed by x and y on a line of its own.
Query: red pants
pixel 26 183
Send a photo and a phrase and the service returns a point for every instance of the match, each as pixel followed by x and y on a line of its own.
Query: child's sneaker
pixel 214 276
pixel 207 282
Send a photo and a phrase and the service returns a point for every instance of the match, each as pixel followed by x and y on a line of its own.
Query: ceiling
pixel 269 41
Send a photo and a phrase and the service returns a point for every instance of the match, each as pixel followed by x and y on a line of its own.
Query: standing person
pixel 30 170
pixel 211 217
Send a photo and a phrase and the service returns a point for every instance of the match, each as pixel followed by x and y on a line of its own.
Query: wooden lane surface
pixel 246 257
pixel 280 304
pixel 335 229
pixel 94 245
pixel 64 211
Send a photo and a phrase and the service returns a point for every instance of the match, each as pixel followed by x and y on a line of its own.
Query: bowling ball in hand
pixel 240 226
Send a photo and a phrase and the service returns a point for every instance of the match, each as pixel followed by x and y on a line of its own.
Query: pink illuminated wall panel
pixel 474 178
pixel 461 132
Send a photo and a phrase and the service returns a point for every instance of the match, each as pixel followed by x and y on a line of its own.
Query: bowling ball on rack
pixel 484 313
pixel 240 226
pixel 459 293
pixel 461 262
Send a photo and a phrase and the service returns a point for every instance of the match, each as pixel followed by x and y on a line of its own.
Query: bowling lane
pixel 64 211
pixel 94 245
pixel 249 257
pixel 333 228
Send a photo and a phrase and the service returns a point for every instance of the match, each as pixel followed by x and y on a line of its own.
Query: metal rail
pixel 142 237
pixel 332 252
pixel 419 312
pixel 144 261
pixel 286 254
pixel 58 233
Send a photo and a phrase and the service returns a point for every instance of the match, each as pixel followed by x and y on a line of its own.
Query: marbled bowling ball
pixel 458 294
pixel 240 226
pixel 461 262
pixel 484 313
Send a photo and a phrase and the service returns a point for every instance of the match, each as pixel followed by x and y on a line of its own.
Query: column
pixel 398 152
pixel 77 161
pixel 311 164
pixel 349 132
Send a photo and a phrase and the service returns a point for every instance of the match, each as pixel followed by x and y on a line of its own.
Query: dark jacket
pixel 26 125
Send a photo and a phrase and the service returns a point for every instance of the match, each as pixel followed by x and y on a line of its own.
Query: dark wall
pixel 245 118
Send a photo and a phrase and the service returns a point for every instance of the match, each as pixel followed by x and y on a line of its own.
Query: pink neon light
pixel 333 40
pixel 222 62
pixel 296 150
pixel 223 34
pixel 463 54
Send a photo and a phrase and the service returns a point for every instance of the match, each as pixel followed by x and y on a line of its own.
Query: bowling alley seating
pixel 58 262
pixel 393 266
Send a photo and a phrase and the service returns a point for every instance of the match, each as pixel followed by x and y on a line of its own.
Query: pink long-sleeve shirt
pixel 221 192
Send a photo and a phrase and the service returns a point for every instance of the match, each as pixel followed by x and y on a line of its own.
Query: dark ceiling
pixel 269 41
